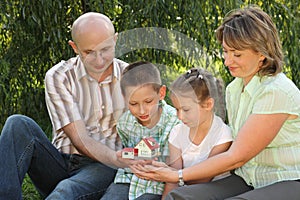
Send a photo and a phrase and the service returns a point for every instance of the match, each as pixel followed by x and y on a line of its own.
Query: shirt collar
pixel 251 87
pixel 81 71
pixel 160 123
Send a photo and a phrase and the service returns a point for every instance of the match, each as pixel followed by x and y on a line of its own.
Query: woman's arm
pixel 257 132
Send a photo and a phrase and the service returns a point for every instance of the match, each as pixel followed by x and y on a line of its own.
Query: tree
pixel 34 36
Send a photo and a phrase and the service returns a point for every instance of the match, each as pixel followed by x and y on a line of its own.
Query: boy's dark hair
pixel 140 73
pixel 200 84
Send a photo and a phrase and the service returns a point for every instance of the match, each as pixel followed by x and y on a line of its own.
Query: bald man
pixel 84 102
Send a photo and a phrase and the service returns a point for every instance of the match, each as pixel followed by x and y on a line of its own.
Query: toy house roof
pixel 150 142
pixel 128 149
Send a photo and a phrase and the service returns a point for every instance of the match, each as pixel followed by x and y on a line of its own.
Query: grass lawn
pixel 29 191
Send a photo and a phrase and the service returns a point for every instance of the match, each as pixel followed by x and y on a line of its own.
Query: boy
pixel 148 116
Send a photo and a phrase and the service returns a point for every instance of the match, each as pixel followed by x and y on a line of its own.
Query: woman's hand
pixel 157 171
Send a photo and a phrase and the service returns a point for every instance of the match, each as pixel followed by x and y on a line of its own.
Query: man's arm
pixel 87 146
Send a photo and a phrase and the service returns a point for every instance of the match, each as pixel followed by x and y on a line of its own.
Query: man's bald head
pixel 91 21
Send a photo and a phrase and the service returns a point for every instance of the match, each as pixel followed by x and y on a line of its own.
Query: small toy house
pixel 129 153
pixel 147 148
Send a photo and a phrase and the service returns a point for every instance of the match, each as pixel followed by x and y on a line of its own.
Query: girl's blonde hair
pixel 200 84
pixel 252 28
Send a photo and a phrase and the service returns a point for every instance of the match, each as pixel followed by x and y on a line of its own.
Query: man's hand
pixel 127 162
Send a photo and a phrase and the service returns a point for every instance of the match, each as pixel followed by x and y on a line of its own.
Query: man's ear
pixel 162 92
pixel 73 45
pixel 115 38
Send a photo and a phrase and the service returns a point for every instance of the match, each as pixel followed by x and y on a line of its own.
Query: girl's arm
pixel 215 151
pixel 175 161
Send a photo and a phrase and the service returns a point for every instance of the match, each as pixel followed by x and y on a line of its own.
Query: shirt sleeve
pixel 274 100
pixel 61 106
pixel 174 136
pixel 226 135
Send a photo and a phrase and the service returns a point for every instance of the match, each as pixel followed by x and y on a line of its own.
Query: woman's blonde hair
pixel 252 28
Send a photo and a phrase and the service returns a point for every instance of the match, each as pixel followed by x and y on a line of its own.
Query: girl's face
pixel 190 112
pixel 242 63
pixel 143 103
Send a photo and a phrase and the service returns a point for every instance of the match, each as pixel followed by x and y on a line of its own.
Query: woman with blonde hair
pixel 264 116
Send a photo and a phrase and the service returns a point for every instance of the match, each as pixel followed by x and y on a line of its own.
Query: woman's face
pixel 242 63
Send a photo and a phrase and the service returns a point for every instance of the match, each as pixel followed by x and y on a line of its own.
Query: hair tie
pixel 200 76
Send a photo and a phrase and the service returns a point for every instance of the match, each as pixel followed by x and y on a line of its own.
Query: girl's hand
pixel 157 171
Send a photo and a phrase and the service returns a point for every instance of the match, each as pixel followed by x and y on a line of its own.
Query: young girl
pixel 202 134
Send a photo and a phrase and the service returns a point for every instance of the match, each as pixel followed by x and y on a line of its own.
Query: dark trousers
pixel 234 187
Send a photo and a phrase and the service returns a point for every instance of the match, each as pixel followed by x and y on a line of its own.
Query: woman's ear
pixel 162 92
pixel 73 45
pixel 262 58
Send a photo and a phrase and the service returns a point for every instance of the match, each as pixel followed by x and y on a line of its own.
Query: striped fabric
pixel 71 95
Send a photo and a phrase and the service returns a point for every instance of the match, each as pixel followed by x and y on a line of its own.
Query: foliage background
pixel 34 36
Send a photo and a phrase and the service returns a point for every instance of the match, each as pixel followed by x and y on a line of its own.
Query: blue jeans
pixel 24 148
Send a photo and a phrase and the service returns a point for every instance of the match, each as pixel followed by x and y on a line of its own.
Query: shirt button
pixel 102 107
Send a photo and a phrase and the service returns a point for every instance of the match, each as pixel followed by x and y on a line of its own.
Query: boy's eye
pixel 237 55
pixel 132 104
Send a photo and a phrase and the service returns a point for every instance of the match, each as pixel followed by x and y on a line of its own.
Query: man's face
pixel 97 57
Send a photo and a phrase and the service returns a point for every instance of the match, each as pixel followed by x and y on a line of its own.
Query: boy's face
pixel 143 103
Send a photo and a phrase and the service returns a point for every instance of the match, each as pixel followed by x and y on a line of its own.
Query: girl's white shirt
pixel 192 154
